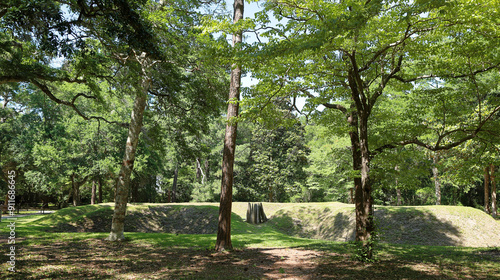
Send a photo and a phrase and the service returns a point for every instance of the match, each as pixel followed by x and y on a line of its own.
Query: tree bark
pixel 365 223
pixel 123 182
pixel 207 170
pixel 76 191
pixel 487 189
pixel 197 165
pixel 437 182
pixel 226 195
pixel 362 185
pixel 493 191
pixel 92 198
pixel 398 191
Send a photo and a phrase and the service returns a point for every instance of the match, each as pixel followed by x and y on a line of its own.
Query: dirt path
pixel 292 263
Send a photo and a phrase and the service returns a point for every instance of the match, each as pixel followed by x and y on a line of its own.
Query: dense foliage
pixel 421 77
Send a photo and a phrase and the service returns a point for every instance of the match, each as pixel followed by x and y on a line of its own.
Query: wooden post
pixel 262 215
pixel 255 213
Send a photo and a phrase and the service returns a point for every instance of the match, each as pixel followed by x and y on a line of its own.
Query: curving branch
pixel 45 89
pixel 423 77
pixel 471 134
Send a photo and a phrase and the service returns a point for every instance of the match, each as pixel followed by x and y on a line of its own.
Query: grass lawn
pixel 261 252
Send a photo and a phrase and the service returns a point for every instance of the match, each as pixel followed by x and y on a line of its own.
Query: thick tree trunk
pixel 362 184
pixel 364 204
pixel 493 191
pixel 487 189
pixel 437 182
pixel 93 196
pixel 174 184
pixel 123 182
pixel 226 195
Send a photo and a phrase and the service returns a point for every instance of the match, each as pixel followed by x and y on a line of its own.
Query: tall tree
pixel 123 180
pixel 226 196
pixel 348 55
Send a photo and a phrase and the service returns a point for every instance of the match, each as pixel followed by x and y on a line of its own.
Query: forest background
pixel 70 72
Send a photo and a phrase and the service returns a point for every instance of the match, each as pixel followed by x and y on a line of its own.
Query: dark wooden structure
pixel 255 213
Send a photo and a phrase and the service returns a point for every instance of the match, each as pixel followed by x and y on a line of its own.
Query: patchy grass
pixel 261 251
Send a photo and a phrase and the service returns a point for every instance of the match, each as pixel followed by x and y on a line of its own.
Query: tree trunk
pixel 200 175
pixel 437 182
pixel 226 195
pixel 207 171
pixel 364 201
pixel 76 191
pixel 174 185
pixel 362 185
pixel 198 171
pixel 493 191
pixel 92 198
pixel 487 190
pixel 123 182
pixel 99 181
pixel 398 194
pixel 398 191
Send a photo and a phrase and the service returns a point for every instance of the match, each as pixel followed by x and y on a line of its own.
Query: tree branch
pixel 437 146
pixel 45 89
pixel 447 76
pixel 327 105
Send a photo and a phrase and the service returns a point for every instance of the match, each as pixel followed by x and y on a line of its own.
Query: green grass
pixel 70 255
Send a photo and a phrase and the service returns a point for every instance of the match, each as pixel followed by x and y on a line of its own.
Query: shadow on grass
pixel 396 225
pixel 98 259
pixel 416 226
pixel 179 219
pixel 49 255
pixel 43 255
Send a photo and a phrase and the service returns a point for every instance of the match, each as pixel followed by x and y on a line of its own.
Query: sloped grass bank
pixel 419 225
pixel 177 219
pixel 261 251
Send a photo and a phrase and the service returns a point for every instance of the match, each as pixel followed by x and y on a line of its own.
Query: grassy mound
pixel 176 219
pixel 419 225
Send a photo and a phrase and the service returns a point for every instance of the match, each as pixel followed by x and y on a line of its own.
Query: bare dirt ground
pixel 98 259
